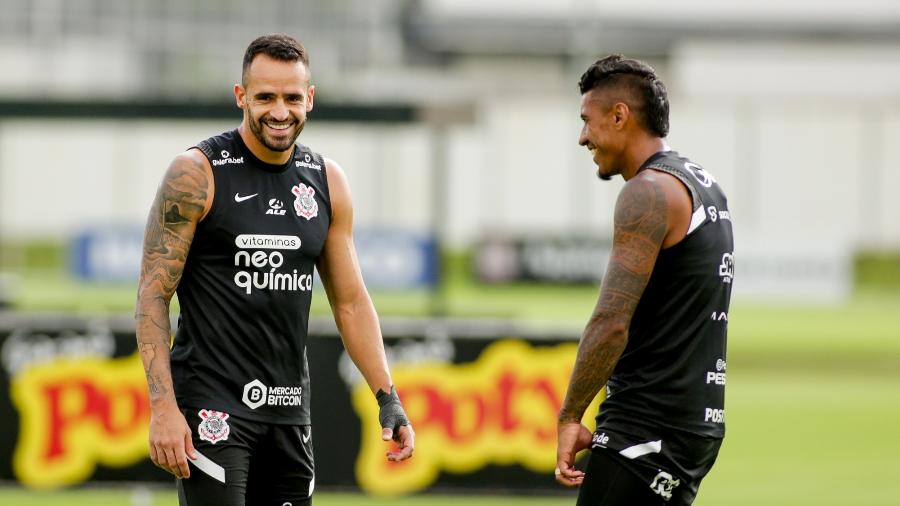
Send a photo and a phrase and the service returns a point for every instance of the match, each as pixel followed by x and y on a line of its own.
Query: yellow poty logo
pixel 500 409
pixel 76 413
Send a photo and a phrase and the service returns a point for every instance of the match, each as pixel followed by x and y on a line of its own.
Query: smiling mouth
pixel 279 127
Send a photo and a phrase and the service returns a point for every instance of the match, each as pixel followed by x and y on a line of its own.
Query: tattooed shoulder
pixel 640 227
pixel 184 190
pixel 180 203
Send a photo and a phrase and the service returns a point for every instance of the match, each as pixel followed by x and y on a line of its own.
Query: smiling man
pixel 239 223
pixel 656 339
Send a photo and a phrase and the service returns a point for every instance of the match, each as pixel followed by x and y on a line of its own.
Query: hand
pixel 572 437
pixel 170 440
pixel 406 442
pixel 395 425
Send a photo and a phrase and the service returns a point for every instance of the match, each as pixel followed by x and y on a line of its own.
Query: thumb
pixel 387 434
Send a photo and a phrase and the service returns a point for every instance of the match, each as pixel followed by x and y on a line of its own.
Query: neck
pixel 261 151
pixel 638 153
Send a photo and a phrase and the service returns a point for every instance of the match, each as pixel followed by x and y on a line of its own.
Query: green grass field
pixel 813 396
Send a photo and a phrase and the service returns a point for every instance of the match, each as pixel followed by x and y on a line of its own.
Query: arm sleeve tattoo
pixel 179 204
pixel 641 223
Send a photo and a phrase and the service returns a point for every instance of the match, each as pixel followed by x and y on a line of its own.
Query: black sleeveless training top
pixel 672 372
pixel 247 285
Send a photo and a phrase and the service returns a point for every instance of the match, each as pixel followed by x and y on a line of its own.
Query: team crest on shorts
pixel 305 204
pixel 663 484
pixel 213 426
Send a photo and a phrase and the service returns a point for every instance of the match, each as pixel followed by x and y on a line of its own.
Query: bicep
pixel 181 201
pixel 640 227
pixel 338 266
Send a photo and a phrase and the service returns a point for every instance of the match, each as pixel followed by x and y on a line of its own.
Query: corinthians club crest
pixel 305 204
pixel 213 426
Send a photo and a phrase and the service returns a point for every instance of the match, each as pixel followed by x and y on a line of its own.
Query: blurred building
pixel 793 106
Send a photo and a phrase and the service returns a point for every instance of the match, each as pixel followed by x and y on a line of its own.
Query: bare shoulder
pixel 665 195
pixel 338 188
pixel 188 184
pixel 335 173
pixel 642 199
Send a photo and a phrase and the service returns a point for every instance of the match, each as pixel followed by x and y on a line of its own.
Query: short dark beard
pixel 256 128
pixel 603 177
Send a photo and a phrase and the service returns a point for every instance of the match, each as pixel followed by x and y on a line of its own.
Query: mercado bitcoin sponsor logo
pixel 256 393
pixel 498 410
pixel 76 413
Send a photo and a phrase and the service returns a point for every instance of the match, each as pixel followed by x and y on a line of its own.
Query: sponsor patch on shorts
pixel 213 426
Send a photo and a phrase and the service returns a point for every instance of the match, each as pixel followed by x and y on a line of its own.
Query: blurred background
pixel 481 228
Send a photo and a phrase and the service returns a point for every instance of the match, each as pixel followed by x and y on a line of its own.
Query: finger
pixel 153 455
pixel 387 434
pixel 401 453
pixel 161 459
pixel 183 467
pixel 181 461
pixel 406 444
pixel 567 481
pixel 189 447
pixel 172 461
pixel 570 472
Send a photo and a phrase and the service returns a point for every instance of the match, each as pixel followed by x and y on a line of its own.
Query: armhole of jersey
pixel 698 216
pixel 327 188
pixel 206 149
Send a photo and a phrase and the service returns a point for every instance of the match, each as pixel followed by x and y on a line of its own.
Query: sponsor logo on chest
pixel 227 159
pixel 305 203
pixel 308 162
pixel 726 268
pixel 275 207
pixel 260 264
pixel 717 377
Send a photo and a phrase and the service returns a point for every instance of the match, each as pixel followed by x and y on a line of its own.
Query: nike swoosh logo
pixel 307 436
pixel 238 198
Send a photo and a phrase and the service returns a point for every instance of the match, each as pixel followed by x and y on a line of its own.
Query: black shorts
pixel 646 467
pixel 261 463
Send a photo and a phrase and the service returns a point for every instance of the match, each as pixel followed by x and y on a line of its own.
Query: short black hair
pixel 278 46
pixel 640 82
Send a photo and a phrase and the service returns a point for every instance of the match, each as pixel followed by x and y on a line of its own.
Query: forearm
pixel 360 331
pixel 153 339
pixel 601 346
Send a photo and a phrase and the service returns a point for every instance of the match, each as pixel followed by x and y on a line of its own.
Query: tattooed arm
pixel 182 200
pixel 649 214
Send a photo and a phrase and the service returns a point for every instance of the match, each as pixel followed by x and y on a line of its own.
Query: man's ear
pixel 621 115
pixel 311 92
pixel 240 96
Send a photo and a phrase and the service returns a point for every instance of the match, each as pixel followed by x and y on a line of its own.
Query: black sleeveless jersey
pixel 247 285
pixel 672 372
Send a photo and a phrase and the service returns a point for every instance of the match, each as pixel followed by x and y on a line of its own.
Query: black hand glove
pixel 390 412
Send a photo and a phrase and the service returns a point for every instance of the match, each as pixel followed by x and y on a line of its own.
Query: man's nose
pixel 279 111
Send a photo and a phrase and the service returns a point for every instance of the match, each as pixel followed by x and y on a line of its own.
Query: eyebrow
pixel 266 94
